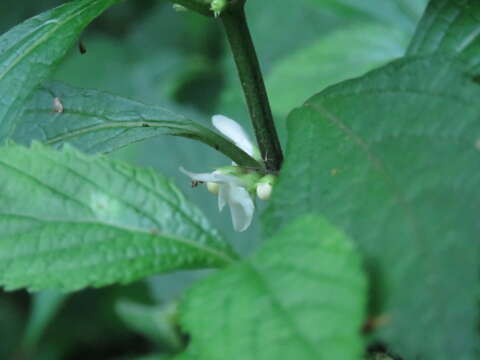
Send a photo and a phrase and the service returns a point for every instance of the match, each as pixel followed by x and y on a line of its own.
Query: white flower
pixel 265 187
pixel 234 185
pixel 231 129
pixel 231 191
pixel 214 188
pixel 264 191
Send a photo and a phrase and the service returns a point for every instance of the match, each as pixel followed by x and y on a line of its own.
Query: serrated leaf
pixel 96 121
pixel 302 296
pixel 69 221
pixel 393 158
pixel 30 51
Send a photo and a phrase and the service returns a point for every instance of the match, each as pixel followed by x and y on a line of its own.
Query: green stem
pixel 248 67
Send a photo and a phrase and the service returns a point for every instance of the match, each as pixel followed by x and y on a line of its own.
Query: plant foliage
pixel 371 234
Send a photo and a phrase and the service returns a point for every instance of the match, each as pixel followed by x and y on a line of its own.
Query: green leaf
pixel 30 51
pixel 451 27
pixel 95 121
pixel 379 356
pixel 393 159
pixel 68 221
pixel 405 13
pixel 302 296
pixel 341 55
pixel 187 355
pixel 327 49
pixel 153 357
pixel 155 322
pixel 301 25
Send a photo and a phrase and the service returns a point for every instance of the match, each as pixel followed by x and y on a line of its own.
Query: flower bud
pixel 265 186
pixel 217 6
pixel 264 191
pixel 214 188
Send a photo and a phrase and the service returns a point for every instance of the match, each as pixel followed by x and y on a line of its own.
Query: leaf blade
pixel 70 221
pixel 95 121
pixel 355 50
pixel 30 51
pixel 448 27
pixel 399 176
pixel 301 296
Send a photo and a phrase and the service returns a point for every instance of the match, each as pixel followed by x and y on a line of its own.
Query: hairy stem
pixel 248 67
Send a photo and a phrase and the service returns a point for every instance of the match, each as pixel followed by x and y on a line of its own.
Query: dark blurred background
pixel 147 51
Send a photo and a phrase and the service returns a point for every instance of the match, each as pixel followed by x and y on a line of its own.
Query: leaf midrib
pixel 193 244
pixel 225 257
pixel 262 283
pixel 115 125
pixel 100 163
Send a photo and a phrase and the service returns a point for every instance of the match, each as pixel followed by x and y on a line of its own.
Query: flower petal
pixel 215 177
pixel 211 177
pixel 234 132
pixel 241 207
pixel 222 196
pixel 232 192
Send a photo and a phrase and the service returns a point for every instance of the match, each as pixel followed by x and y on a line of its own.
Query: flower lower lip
pixel 234 185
